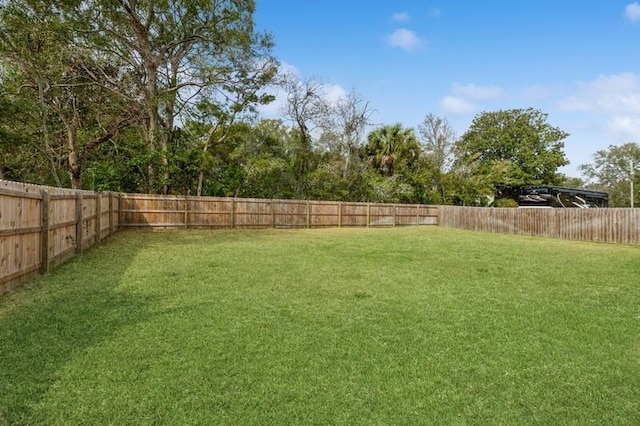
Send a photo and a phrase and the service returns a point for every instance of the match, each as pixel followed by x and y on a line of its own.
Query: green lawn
pixel 342 326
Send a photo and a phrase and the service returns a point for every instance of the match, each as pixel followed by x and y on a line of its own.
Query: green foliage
pixel 611 171
pixel 505 202
pixel 571 182
pixel 162 97
pixel 99 67
pixel 391 147
pixel 516 147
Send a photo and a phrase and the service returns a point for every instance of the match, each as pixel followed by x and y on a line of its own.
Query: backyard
pixel 326 326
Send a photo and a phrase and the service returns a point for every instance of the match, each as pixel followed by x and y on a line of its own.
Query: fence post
pixel 119 198
pixel 417 215
pixel 368 214
pixel 98 218
pixel 308 214
pixel 233 213
pixel 186 212
pixel 79 223
pixel 273 214
pixel 44 228
pixel 339 214
pixel 394 215
pixel 110 213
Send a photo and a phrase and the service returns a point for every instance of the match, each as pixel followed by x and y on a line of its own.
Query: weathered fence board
pixel 41 227
pixel 599 225
pixel 210 212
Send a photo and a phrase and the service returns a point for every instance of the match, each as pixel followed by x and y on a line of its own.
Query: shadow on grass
pixel 44 325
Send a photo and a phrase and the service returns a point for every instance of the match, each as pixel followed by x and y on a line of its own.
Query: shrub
pixel 506 202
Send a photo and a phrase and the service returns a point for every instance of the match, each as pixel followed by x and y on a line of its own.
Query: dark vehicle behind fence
pixel 553 196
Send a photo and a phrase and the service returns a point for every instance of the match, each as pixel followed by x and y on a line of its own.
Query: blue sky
pixel 579 62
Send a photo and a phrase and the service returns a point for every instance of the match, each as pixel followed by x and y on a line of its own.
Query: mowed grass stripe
pixel 340 326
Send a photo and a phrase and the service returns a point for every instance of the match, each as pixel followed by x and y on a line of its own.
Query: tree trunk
pixel 75 169
pixel 45 134
pixel 200 182
pixel 151 147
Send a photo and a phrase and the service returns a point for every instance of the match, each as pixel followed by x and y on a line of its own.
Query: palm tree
pixel 389 146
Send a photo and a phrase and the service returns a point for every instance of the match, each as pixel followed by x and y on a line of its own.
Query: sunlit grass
pixel 342 326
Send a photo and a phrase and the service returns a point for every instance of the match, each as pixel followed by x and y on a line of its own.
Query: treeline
pixel 162 97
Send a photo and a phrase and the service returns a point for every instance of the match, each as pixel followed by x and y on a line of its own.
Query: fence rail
pixel 598 225
pixel 141 210
pixel 41 227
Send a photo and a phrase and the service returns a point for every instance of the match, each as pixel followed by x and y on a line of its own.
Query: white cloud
pixel 614 97
pixel 333 93
pixel 617 93
pixel 400 17
pixel 287 68
pixel 627 127
pixel 632 12
pixel 457 105
pixel 463 98
pixel 477 93
pixel 537 92
pixel 405 39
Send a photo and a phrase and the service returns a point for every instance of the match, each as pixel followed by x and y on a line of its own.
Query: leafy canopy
pixel 515 146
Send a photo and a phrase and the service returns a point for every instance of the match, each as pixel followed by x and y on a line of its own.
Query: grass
pixel 340 326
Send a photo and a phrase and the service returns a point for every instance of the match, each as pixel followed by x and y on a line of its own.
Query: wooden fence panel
pixel 254 213
pixel 152 211
pixel 599 225
pixel 20 224
pixel 211 212
pixel 208 212
pixel 286 214
pixel 62 227
pixel 354 214
pixel 89 220
pixel 39 227
pixel 325 214
pixel 426 215
pixel 382 215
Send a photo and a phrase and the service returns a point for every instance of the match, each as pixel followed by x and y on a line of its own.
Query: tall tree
pixel 438 143
pixel 306 108
pixel 343 128
pixel 178 54
pixel 514 146
pixel 616 171
pixel 39 43
pixel 390 148
pixel 394 154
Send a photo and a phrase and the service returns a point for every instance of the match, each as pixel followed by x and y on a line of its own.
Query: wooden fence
pixel 139 210
pixel 41 227
pixel 599 225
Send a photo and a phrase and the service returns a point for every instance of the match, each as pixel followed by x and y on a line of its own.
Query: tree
pixel 179 54
pixel 306 109
pixel 514 146
pixel 391 148
pixel 38 43
pixel 615 170
pixel 95 67
pixel 393 153
pixel 438 143
pixel 343 128
pixel 571 181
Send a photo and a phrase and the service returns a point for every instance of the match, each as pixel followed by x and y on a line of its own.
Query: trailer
pixel 546 196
